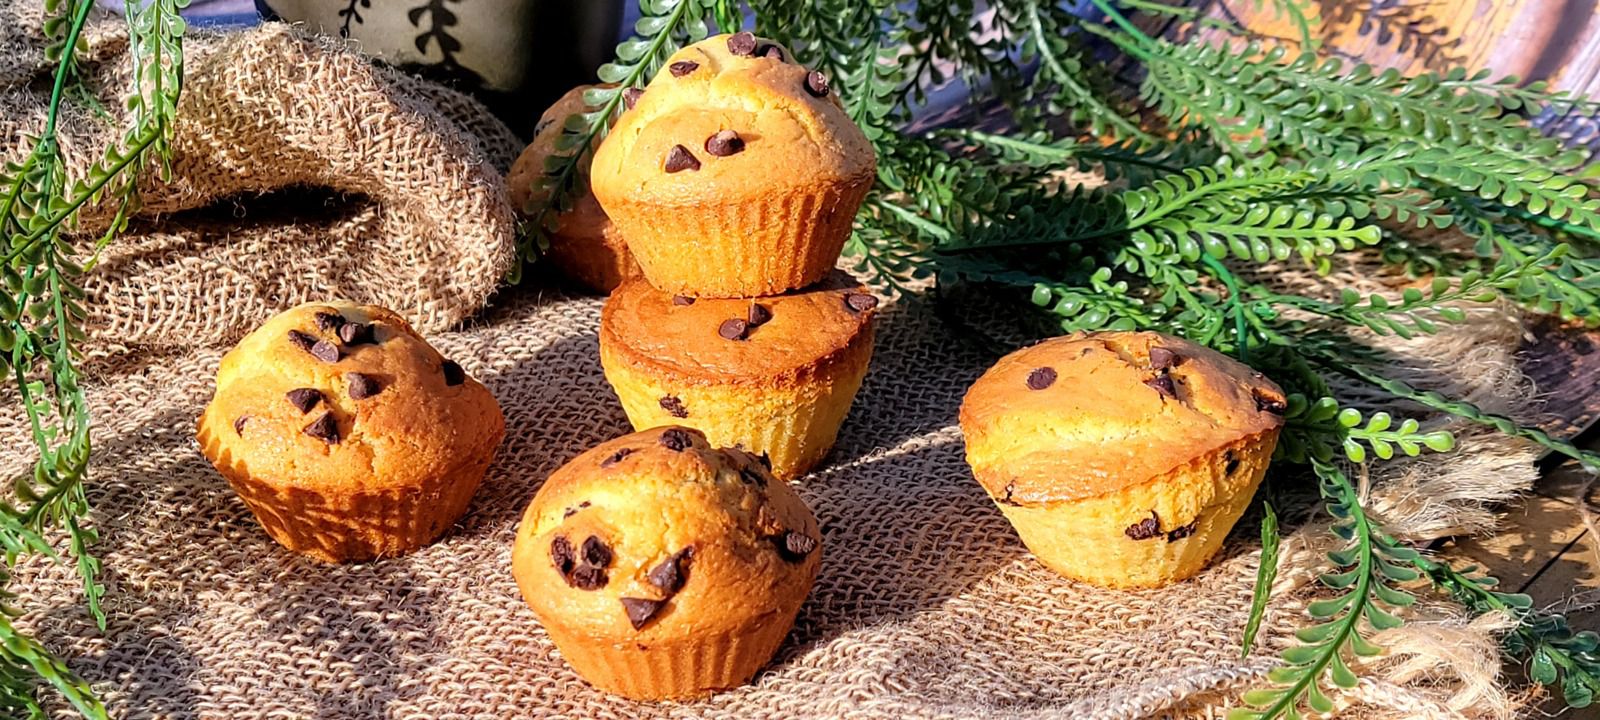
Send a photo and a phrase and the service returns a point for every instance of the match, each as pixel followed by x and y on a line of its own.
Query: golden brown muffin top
pixel 732 339
pixel 339 396
pixel 1088 414
pixel 656 535
pixel 585 218
pixel 788 129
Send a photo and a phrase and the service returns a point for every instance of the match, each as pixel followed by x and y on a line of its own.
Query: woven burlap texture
pixel 927 605
pixel 299 169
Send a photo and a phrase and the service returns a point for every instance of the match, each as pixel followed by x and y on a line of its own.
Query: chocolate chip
pixel 640 610
pixel 327 321
pixel 596 552
pixel 733 329
pixel 325 351
pixel 588 577
pixel 561 556
pixel 324 428
pixel 453 374
pixel 1181 532
pixel 303 399
pixel 676 440
pixel 1230 462
pixel 743 43
pixel 758 315
pixel 1163 384
pixel 724 143
pixel 362 385
pixel 766 461
pixel 569 512
pixel 302 340
pixel 794 546
pixel 770 51
pixel 630 97
pixel 751 477
pixel 238 424
pixel 1041 378
pixel 681 301
pixel 1146 528
pixel 683 67
pixel 860 302
pixel 816 84
pixel 357 334
pixel 616 457
pixel 679 159
pixel 674 407
pixel 670 575
pixel 1162 358
pixel 1268 403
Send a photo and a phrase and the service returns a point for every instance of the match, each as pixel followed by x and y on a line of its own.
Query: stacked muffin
pixel 671 563
pixel 733 178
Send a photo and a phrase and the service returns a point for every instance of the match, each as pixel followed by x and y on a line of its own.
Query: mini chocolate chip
pixel 569 512
pixel 324 428
pixel 860 302
pixel 302 340
pixel 679 159
pixel 327 321
pixel 357 334
pixel 1230 462
pixel 1268 403
pixel 616 457
pixel 1162 358
pixel 238 424
pixel 816 84
pixel 630 97
pixel 640 610
pixel 674 406
pixel 676 440
pixel 670 575
pixel 683 67
pixel 453 374
pixel 742 43
pixel 681 301
pixel 325 351
pixel 733 329
pixel 794 546
pixel 588 577
pixel 1183 531
pixel 724 143
pixel 1146 528
pixel 759 314
pixel 1163 384
pixel 561 555
pixel 596 552
pixel 362 385
pixel 303 399
pixel 770 51
pixel 1041 378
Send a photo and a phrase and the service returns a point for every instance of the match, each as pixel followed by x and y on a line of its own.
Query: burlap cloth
pixel 927 606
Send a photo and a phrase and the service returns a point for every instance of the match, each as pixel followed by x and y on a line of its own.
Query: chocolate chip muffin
pixel 1122 459
pixel 773 375
pixel 584 245
pixel 736 174
pixel 664 568
pixel 346 434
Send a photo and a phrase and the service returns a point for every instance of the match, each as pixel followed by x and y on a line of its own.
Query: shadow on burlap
pixel 927 606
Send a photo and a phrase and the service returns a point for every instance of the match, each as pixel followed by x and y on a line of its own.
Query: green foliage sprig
pixel 41 311
pixel 1231 161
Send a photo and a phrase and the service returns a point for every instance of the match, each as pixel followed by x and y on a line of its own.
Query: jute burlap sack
pixel 927 606
pixel 298 169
